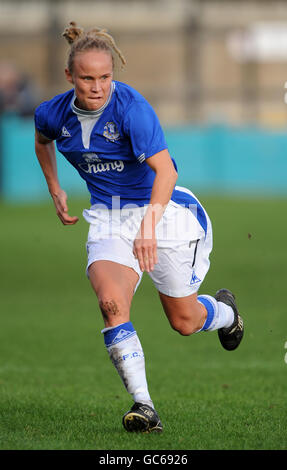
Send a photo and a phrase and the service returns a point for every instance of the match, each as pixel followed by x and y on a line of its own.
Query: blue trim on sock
pixel 210 311
pixel 119 333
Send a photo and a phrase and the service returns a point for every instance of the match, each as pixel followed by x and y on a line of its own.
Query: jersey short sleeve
pixel 42 118
pixel 142 126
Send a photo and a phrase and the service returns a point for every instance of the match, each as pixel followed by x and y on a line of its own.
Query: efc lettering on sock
pixel 127 355
pixel 131 355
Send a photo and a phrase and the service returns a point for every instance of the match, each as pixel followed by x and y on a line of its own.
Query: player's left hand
pixel 145 249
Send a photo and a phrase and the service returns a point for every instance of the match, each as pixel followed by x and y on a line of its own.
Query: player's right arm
pixel 46 154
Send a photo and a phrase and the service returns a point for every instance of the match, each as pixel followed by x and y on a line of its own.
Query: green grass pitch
pixel 58 389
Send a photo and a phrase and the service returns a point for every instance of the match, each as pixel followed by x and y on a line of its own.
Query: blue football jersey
pixel 111 157
pixel 110 150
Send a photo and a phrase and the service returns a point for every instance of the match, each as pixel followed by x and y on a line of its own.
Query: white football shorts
pixel 183 244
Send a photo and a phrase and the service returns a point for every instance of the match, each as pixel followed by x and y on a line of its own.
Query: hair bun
pixel 96 38
pixel 73 32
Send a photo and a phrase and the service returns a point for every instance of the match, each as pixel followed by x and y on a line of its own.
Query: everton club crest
pixel 111 131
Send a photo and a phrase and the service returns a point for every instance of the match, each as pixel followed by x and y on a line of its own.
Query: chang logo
pixel 111 131
pixel 93 164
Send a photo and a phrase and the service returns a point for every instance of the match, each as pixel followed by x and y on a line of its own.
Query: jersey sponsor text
pixel 98 167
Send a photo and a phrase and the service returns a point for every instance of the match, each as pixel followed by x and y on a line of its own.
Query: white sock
pixel 226 315
pixel 127 355
pixel 219 315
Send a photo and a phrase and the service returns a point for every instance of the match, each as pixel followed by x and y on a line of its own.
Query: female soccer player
pixel 139 220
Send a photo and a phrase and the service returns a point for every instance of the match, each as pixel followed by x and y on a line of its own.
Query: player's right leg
pixel 114 285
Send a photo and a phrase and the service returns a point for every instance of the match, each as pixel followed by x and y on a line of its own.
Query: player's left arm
pixel 145 245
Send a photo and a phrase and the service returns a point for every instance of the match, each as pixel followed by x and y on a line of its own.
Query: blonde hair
pixel 93 39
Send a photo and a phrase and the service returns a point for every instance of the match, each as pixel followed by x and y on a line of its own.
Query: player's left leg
pixel 195 313
pixel 180 271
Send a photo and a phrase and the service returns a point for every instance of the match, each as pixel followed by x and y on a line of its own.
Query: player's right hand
pixel 60 201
